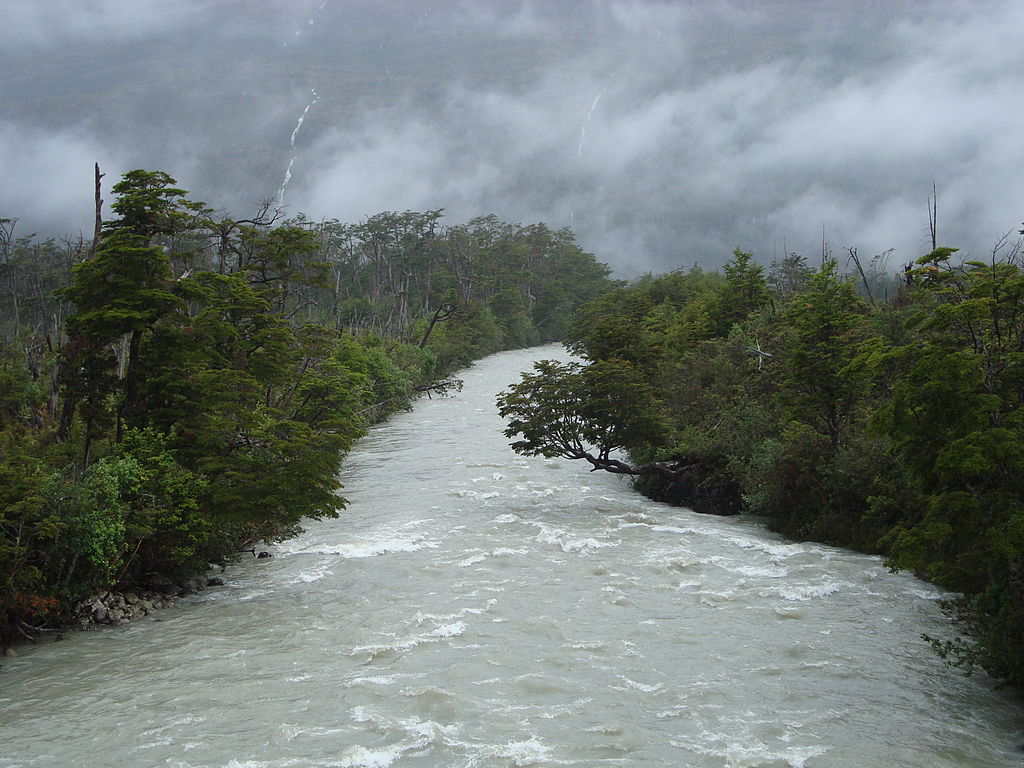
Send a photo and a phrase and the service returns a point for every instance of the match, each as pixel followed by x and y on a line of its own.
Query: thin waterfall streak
pixel 583 128
pixel 295 131
pixel 311 20
pixel 302 117
pixel 295 135
pixel 590 114
pixel 284 184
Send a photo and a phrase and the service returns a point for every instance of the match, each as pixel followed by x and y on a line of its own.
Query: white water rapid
pixel 472 608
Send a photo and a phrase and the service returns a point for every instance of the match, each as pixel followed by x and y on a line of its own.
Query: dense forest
pixel 861 410
pixel 185 383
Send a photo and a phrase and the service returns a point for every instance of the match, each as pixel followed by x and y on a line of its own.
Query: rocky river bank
pixel 117 608
pixel 113 608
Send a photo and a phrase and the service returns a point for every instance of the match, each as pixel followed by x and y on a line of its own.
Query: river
pixel 476 608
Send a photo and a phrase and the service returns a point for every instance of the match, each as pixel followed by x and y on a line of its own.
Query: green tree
pixel 124 289
pixel 609 328
pixel 743 292
pixel 829 329
pixel 27 527
pixel 955 421
pixel 151 206
pixel 584 412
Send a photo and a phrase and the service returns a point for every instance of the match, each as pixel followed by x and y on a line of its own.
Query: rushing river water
pixel 475 608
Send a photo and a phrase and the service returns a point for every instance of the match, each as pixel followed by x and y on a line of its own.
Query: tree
pixel 743 292
pixel 789 276
pixel 125 287
pixel 829 328
pixel 281 264
pixel 262 410
pixel 609 328
pixel 150 206
pixel 122 290
pixel 26 527
pixel 955 420
pixel 584 412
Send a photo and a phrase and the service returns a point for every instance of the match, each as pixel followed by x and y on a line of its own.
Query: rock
pixel 8 652
pixel 702 487
pixel 216 581
pixel 161 584
pixel 190 586
pixel 99 614
pixel 262 555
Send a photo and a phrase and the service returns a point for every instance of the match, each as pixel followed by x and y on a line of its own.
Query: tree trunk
pixel 131 382
pixel 98 226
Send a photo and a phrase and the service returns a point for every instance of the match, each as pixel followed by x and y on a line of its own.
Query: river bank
pixel 112 608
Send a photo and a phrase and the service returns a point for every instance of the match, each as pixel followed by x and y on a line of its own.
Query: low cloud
pixel 664 134
pixel 658 165
pixel 55 172
pixel 49 23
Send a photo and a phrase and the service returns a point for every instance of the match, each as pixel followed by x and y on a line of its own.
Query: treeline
pixel 880 415
pixel 185 383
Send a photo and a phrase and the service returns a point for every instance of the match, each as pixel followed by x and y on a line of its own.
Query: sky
pixel 665 134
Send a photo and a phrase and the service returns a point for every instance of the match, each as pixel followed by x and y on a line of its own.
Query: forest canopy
pixel 186 383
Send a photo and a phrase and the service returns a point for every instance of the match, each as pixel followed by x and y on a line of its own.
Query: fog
pixel 664 134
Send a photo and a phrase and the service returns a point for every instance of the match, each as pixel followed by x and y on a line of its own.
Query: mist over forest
pixel 663 133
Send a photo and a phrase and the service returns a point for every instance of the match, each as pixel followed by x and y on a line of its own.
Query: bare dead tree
pixel 224 228
pixel 7 237
pixel 443 312
pixel 864 278
pixel 933 215
pixel 98 225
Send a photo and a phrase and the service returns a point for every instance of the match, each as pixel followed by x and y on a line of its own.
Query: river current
pixel 475 608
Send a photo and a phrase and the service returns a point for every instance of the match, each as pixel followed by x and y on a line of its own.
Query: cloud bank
pixel 661 158
pixel 664 134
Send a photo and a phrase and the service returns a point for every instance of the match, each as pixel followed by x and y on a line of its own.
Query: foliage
pixel 828 329
pixel 191 382
pixel 744 291
pixel 581 412
pixel 890 427
pixel 26 526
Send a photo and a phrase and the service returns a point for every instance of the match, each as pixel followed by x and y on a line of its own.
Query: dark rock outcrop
pixel 701 485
